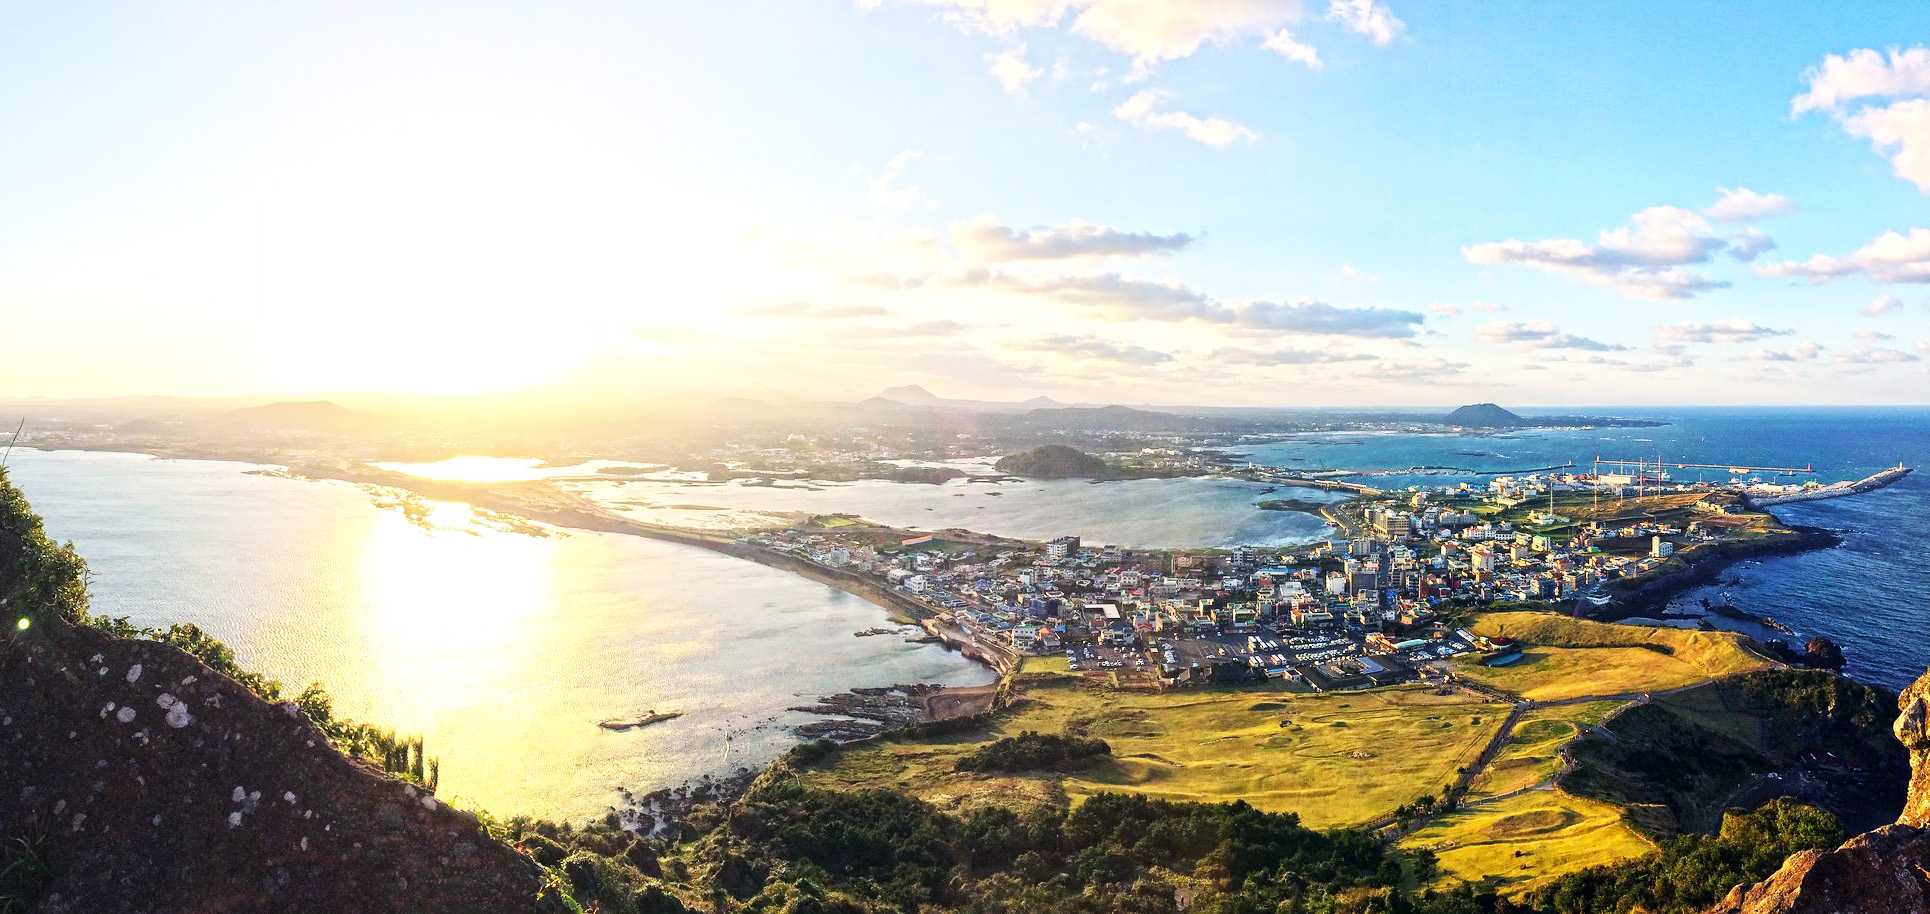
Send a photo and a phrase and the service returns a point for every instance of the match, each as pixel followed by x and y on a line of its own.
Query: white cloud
pixel 985 239
pixel 1367 17
pixel 1150 32
pixel 1734 331
pixel 1540 335
pixel 1749 244
pixel 1881 305
pixel 1320 318
pixel 1155 32
pixel 888 188
pixel 1873 336
pixel 1740 204
pixel 1864 73
pixel 1092 347
pixel 996 16
pixel 1642 259
pixel 1878 355
pixel 1276 357
pixel 1143 110
pixel 1115 298
pixel 1284 44
pixel 1805 351
pixel 1012 70
pixel 1422 371
pixel 1900 131
pixel 1445 309
pixel 1891 257
pixel 1352 274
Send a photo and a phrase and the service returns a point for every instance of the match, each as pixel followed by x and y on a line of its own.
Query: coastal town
pixel 1385 600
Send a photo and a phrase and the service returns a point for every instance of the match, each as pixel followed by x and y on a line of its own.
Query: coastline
pixel 540 502
pixel 575 513
pixel 1647 598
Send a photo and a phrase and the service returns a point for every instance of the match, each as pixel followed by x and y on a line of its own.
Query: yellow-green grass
pixel 1567 658
pixel 1532 754
pixel 1339 758
pixel 1049 663
pixel 1530 839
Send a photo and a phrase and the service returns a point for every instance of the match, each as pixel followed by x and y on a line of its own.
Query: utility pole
pixel 16 439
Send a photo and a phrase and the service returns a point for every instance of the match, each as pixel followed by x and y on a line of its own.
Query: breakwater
pixel 1868 483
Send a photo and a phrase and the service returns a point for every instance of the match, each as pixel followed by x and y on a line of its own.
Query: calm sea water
pixel 1138 513
pixel 502 649
pixel 1871 595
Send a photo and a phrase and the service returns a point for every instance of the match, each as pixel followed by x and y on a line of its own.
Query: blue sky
pixel 1100 200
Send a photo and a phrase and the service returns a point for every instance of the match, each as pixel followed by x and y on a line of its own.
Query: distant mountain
pixel 1055 461
pixel 913 395
pixel 292 416
pixel 909 393
pixel 1106 418
pixel 1484 415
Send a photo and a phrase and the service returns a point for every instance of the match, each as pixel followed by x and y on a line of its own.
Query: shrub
pixel 1031 751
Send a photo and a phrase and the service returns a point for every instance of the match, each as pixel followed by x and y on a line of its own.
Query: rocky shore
pixel 1650 596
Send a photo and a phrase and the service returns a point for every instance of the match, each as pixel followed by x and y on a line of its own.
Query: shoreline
pixel 574 512
pixel 1653 596
pixel 580 515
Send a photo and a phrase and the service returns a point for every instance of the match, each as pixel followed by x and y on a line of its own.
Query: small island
pixel 1057 461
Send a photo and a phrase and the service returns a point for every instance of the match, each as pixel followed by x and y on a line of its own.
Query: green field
pixel 1532 753
pixel 1048 663
pixel 1529 839
pixel 1335 759
pixel 1573 658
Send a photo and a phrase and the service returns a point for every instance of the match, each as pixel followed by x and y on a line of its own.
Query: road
pixel 1392 829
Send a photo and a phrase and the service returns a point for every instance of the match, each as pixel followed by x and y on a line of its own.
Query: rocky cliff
pixel 1884 871
pixel 134 778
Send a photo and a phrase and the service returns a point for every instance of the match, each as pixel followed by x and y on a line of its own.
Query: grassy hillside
pixel 1334 759
pixel 1528 840
pixel 1532 754
pixel 1571 658
pixel 1677 762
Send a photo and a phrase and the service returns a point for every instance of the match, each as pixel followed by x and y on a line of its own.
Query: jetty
pixel 1868 483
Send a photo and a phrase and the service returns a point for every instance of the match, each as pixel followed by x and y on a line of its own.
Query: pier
pixel 1868 483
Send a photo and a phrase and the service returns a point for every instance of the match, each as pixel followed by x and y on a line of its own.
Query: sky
pixel 1229 202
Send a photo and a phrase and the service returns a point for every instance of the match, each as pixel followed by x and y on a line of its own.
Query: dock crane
pixel 1651 471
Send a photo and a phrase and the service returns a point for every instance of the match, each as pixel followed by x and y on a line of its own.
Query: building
pixel 1660 548
pixel 1063 548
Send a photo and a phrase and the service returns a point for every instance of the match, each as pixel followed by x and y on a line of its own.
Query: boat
pixel 654 717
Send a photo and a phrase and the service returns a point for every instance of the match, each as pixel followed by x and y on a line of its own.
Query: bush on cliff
pixel 39 578
pixel 1693 871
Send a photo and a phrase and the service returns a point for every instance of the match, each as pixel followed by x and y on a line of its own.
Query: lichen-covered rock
pixel 235 806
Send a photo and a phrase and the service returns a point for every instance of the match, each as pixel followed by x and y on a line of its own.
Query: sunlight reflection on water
pixel 502 649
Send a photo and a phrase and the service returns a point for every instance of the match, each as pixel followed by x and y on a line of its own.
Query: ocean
pixel 502 649
pixel 1135 513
